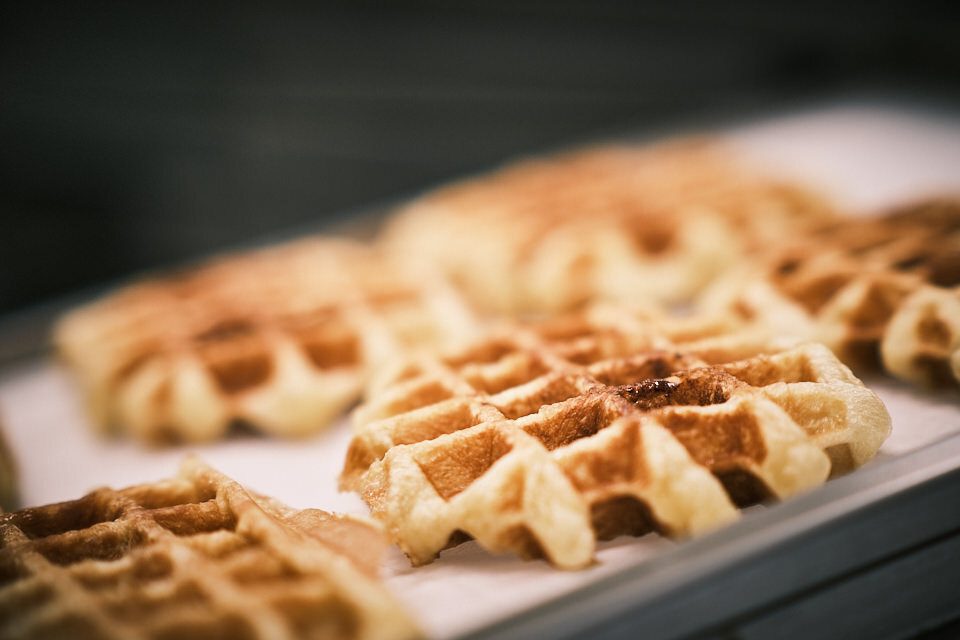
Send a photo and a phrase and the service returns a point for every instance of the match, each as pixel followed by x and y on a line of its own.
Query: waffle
pixel 620 223
pixel 546 437
pixel 278 339
pixel 192 557
pixel 841 285
pixel 922 342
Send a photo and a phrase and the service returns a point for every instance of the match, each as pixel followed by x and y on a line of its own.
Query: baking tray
pixel 873 554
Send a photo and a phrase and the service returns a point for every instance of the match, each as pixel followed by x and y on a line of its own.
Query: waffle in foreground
pixel 192 557
pixel 615 223
pixel 279 339
pixel 843 285
pixel 546 437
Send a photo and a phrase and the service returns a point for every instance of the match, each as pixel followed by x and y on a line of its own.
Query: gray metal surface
pixel 875 554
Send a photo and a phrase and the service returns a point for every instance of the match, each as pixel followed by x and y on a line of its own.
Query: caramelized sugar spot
pixel 700 387
pixel 644 367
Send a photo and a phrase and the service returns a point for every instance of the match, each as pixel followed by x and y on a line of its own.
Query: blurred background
pixel 136 136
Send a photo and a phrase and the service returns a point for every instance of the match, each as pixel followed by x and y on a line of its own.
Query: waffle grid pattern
pixel 844 284
pixel 613 223
pixel 545 437
pixel 192 557
pixel 278 339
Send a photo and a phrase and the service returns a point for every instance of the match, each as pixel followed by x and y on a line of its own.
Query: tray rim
pixel 750 557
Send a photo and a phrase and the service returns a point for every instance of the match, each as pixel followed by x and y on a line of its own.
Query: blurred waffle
pixel 623 223
pixel 922 342
pixel 192 557
pixel 544 437
pixel 278 339
pixel 843 284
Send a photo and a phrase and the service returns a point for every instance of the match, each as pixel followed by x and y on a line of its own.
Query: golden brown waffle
pixel 548 436
pixel 621 223
pixel 192 557
pixel 922 342
pixel 279 339
pixel 842 285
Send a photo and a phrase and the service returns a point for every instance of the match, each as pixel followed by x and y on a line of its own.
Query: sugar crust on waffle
pixel 844 284
pixel 609 222
pixel 547 436
pixel 196 556
pixel 279 339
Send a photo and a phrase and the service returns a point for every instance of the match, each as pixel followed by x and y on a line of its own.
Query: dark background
pixel 133 137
